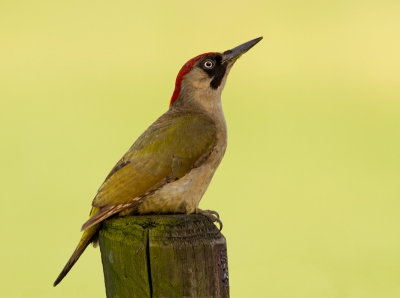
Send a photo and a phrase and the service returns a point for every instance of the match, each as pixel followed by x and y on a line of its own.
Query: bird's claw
pixel 211 215
pixel 215 213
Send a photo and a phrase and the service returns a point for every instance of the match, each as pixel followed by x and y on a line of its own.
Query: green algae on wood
pixel 163 256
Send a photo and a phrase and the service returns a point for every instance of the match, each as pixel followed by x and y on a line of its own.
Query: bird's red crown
pixel 184 71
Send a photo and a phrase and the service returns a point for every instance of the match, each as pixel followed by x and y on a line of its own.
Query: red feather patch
pixel 184 71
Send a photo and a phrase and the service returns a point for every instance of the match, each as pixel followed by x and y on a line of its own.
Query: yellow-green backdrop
pixel 309 190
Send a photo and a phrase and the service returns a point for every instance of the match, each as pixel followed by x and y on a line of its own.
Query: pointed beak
pixel 235 53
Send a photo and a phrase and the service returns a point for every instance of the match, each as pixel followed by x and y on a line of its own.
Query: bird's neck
pixel 206 102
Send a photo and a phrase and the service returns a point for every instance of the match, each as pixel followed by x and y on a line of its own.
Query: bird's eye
pixel 209 64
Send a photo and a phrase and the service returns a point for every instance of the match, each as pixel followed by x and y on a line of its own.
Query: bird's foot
pixel 211 215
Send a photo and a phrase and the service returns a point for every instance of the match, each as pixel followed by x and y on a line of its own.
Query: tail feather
pixel 88 236
pixel 90 228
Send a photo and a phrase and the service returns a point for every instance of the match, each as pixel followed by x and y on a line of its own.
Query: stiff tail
pixel 87 237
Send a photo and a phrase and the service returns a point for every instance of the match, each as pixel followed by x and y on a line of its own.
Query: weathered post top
pixel 164 256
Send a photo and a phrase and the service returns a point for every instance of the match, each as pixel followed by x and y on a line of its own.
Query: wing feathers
pixel 165 152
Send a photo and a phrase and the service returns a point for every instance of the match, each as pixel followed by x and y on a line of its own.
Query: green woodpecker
pixel 169 167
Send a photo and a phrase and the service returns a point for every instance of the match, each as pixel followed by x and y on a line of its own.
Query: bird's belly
pixel 184 194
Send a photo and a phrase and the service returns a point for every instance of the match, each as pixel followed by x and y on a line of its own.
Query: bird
pixel 169 167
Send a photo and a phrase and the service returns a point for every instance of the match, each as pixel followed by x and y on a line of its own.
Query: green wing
pixel 166 151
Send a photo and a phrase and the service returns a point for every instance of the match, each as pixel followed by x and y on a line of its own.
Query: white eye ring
pixel 208 64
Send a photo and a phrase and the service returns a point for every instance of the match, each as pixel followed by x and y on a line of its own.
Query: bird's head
pixel 203 77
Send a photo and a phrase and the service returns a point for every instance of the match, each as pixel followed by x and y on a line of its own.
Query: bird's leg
pixel 211 215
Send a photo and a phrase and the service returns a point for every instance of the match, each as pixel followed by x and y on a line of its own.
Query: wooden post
pixel 164 256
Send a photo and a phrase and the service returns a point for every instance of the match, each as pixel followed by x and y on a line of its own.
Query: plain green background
pixel 309 188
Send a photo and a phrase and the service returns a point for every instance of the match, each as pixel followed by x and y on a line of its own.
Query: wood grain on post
pixel 164 256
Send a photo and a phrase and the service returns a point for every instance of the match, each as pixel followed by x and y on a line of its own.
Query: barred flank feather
pixel 104 213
